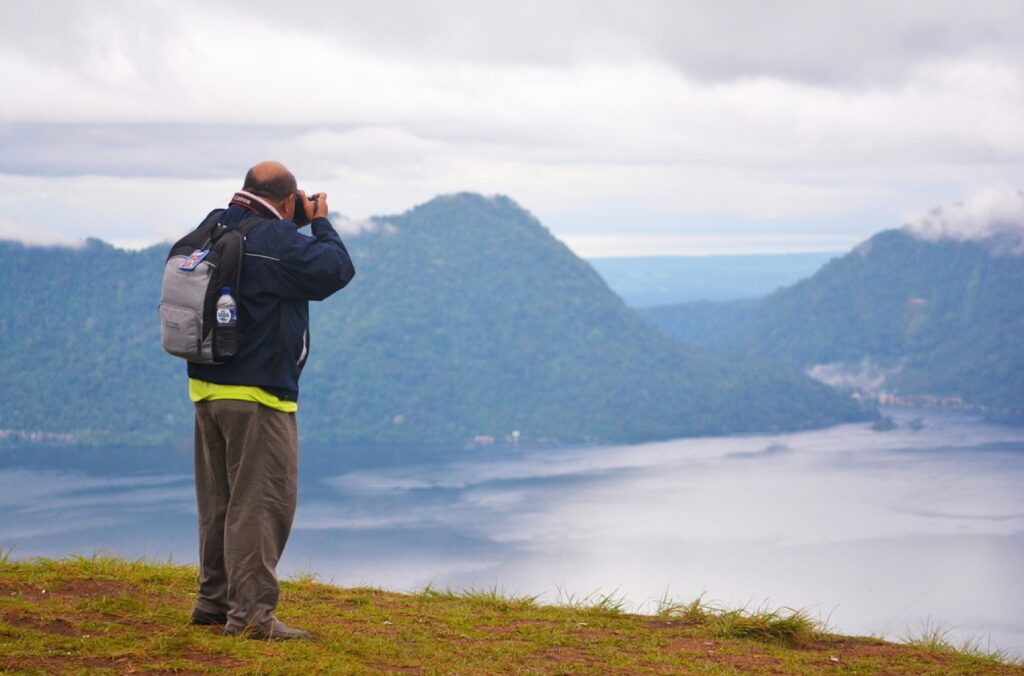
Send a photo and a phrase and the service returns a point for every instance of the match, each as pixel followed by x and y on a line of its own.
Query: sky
pixel 628 128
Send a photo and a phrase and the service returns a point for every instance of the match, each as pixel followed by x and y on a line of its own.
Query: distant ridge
pixel 937 318
pixel 466 319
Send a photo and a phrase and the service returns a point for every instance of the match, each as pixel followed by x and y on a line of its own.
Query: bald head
pixel 270 179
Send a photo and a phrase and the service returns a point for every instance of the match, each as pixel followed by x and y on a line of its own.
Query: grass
pixel 935 638
pixel 494 598
pixel 785 625
pixel 102 614
pixel 594 601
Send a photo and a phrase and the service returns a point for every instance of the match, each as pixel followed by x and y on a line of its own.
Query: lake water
pixel 877 533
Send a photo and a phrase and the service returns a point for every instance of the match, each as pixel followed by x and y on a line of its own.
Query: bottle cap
pixel 225 290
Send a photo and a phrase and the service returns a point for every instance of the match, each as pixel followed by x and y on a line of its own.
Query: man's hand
pixel 320 200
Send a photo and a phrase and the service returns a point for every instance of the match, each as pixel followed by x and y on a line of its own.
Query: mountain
pixel 661 280
pixel 466 318
pixel 900 313
pixel 80 349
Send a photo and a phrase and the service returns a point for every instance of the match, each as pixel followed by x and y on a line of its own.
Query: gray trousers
pixel 246 461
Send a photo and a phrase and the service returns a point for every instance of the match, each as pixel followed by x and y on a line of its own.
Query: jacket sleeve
pixel 312 268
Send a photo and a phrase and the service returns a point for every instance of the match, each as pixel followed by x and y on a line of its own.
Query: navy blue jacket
pixel 281 272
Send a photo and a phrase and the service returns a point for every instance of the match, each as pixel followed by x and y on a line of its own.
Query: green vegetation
pixel 108 615
pixel 936 639
pixel 942 318
pixel 466 317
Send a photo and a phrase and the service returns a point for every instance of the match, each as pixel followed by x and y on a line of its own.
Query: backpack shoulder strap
pixel 233 248
pixel 242 228
pixel 250 222
pixel 212 218
pixel 201 237
pixel 210 226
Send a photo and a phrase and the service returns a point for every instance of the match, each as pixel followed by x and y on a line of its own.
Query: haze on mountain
pixel 935 309
pixel 647 281
pixel 466 318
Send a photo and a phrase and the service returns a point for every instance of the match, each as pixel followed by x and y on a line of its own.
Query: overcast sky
pixel 628 128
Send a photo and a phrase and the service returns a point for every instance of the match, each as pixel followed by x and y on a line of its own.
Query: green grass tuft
pixel 785 625
pixel 594 602
pixel 693 612
pixel 493 597
pixel 306 576
pixel 935 637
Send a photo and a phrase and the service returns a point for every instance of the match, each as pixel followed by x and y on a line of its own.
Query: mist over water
pixel 877 533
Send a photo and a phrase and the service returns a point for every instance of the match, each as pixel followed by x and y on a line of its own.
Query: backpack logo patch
pixel 193 261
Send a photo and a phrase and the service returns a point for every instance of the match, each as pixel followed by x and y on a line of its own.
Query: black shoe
pixel 275 631
pixel 206 619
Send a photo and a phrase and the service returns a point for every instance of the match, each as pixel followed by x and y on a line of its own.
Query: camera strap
pixel 255 204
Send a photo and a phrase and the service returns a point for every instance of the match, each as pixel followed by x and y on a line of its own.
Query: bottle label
pixel 225 315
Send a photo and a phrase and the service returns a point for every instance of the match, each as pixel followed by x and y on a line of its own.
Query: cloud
pixel 140 150
pixel 129 212
pixel 707 243
pixel 329 516
pixel 361 226
pixel 866 376
pixel 35 235
pixel 993 214
pixel 23 486
pixel 609 120
pixel 388 147
pixel 850 44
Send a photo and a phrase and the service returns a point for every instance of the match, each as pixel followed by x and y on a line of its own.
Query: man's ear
pixel 287 207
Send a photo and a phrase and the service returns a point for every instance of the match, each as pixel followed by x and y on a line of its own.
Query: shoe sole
pixel 256 636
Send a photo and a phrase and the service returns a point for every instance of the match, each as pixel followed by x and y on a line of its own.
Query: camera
pixel 305 207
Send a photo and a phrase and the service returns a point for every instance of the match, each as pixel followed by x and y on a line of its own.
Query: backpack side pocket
pixel 181 331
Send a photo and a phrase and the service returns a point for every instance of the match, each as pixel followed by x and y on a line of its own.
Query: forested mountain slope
pixel 898 313
pixel 466 317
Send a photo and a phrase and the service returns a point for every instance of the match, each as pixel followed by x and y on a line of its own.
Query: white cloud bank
pixel 353 227
pixel 993 214
pixel 866 376
pixel 621 125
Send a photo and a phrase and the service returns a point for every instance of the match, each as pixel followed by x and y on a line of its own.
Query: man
pixel 246 439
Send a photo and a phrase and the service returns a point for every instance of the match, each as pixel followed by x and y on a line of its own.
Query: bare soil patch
pixel 57 627
pixel 62 665
pixel 92 588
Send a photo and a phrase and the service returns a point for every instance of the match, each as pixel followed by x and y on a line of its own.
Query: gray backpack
pixel 197 267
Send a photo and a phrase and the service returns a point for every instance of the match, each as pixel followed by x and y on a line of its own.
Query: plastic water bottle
pixel 225 334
